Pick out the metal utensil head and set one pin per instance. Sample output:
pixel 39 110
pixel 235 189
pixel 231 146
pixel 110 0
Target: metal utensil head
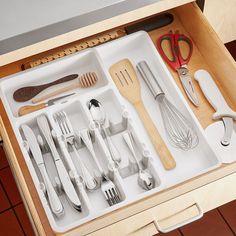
pixel 97 111
pixel 52 101
pixel 146 180
pixel 188 86
pixel 229 127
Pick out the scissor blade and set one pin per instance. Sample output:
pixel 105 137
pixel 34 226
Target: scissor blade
pixel 187 83
pixel 229 126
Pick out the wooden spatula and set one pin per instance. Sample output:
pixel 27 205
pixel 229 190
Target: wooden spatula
pixel 125 78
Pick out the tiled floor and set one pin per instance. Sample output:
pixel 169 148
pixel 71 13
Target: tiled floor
pixel 13 217
pixel 14 220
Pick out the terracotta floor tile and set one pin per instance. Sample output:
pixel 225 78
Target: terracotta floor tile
pixel 9 185
pixel 232 48
pixel 3 159
pixel 228 211
pixel 212 224
pixel 172 233
pixel 4 203
pixel 24 220
pixel 9 225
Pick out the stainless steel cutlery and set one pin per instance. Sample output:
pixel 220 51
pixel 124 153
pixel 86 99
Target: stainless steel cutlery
pixel 68 133
pixel 145 179
pixel 99 116
pixel 54 201
pixel 62 172
pixel 108 188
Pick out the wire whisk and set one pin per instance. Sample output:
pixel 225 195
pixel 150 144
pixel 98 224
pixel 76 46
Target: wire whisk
pixel 179 129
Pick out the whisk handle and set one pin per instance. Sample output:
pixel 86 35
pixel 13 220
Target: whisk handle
pixel 159 144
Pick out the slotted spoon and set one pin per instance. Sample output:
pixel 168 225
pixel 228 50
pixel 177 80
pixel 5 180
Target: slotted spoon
pixel 125 78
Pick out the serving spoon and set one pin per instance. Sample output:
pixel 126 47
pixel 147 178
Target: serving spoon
pixel 99 116
pixel 145 180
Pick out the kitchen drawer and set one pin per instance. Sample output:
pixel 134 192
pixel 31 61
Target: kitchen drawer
pixel 175 212
pixel 178 203
pixel 92 29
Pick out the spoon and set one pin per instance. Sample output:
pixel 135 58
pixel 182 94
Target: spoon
pixel 145 180
pixel 99 116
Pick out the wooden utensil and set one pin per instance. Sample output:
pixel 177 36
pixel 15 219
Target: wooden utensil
pixel 125 78
pixel 26 93
pixel 84 81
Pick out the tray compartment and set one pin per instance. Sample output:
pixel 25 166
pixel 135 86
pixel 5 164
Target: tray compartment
pixel 138 47
pixel 71 215
pixel 75 64
pixel 119 122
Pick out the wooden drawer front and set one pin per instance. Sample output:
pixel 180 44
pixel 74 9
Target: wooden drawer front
pixel 209 53
pixel 92 29
pixel 175 212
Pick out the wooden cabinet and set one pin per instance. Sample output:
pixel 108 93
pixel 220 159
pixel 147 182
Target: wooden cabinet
pixel 172 207
pixel 221 15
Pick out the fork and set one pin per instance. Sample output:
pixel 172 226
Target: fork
pixel 108 188
pixel 65 126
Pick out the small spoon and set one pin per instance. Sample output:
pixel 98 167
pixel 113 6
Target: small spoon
pixel 99 116
pixel 145 180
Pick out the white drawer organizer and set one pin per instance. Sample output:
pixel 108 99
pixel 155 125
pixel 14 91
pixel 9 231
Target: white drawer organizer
pixel 122 116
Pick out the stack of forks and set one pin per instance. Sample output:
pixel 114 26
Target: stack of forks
pixel 108 188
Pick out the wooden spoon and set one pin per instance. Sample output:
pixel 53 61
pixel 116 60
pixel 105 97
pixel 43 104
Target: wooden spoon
pixel 84 81
pixel 125 78
pixel 26 93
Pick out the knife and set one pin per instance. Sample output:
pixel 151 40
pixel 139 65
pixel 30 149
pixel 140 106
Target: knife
pixel 53 198
pixel 61 170
pixel 216 99
pixel 28 109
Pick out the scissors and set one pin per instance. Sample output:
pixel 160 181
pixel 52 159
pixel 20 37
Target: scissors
pixel 178 62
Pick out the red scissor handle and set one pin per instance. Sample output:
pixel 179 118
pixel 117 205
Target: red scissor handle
pixel 174 40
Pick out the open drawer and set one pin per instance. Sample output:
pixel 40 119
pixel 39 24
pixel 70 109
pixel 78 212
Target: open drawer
pixel 209 53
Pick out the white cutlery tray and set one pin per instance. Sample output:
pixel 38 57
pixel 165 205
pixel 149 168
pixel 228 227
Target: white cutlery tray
pixel 122 116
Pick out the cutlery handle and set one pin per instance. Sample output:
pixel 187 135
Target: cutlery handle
pixel 88 143
pixel 28 109
pixel 113 150
pixel 104 147
pixel 88 178
pixel 67 158
pixel 56 92
pixel 159 144
pixel 61 170
pixel 128 139
pixel 53 198
pixel 213 95
pixel 67 184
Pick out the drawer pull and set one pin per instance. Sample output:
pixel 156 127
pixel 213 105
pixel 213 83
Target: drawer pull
pixel 180 224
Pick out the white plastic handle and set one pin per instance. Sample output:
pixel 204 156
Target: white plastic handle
pixel 213 95
pixel 185 222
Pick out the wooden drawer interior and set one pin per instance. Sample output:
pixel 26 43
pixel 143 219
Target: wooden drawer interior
pixel 210 54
